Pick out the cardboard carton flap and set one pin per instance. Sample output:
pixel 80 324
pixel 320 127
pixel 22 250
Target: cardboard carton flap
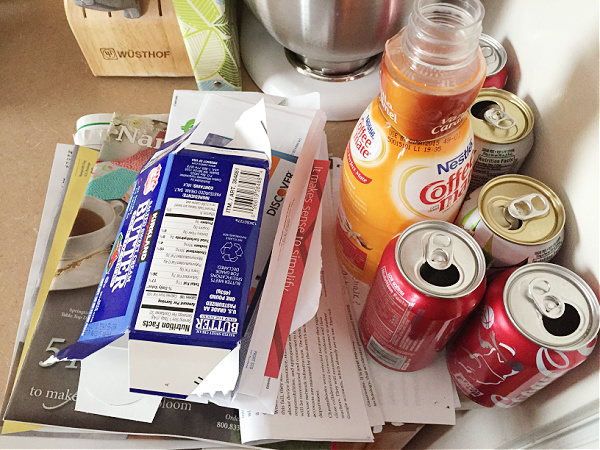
pixel 79 350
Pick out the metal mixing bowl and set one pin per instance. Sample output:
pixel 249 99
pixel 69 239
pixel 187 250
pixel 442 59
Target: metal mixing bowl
pixel 332 37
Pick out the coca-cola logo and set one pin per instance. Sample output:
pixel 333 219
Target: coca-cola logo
pixel 487 317
pixel 551 364
pixel 588 349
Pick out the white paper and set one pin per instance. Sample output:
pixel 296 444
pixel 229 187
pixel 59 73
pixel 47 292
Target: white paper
pixel 251 131
pixel 252 376
pixel 104 387
pixel 424 396
pixel 368 383
pixel 320 395
pixel 185 106
pixel 370 398
pixel 55 194
pixel 217 385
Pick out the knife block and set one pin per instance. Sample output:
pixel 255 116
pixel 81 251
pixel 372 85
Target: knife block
pixel 151 45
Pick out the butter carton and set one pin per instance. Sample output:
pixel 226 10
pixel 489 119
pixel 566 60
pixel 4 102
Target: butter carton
pixel 177 282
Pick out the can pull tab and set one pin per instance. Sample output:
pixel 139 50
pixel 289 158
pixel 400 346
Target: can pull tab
pixel 528 207
pixel 499 119
pixel 540 292
pixel 439 251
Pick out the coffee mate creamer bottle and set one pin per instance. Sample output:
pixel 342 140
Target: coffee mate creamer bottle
pixel 410 156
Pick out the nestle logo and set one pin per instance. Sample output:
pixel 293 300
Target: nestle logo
pixel 109 53
pixel 457 161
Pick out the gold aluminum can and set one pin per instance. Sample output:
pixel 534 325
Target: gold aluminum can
pixel 515 219
pixel 503 135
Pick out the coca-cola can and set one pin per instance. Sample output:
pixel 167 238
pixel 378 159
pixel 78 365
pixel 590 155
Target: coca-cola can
pixel 515 219
pixel 535 324
pixel 496 58
pixel 430 278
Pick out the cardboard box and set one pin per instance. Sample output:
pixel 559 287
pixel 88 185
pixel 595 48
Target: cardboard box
pixel 176 285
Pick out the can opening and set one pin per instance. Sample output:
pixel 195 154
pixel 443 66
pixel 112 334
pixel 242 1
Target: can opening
pixel 441 278
pixel 565 324
pixel 513 222
pixel 478 109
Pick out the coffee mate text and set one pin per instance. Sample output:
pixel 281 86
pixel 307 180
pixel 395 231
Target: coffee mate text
pixel 446 192
pixel 362 139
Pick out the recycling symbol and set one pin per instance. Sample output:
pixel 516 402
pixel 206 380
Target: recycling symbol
pixel 231 251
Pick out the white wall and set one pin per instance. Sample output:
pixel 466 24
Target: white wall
pixel 553 65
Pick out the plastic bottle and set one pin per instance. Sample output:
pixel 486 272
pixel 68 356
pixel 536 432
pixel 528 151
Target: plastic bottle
pixel 433 69
pixel 410 156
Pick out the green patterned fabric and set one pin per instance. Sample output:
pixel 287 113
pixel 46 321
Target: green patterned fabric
pixel 209 34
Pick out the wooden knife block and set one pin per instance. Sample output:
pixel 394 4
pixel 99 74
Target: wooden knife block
pixel 113 45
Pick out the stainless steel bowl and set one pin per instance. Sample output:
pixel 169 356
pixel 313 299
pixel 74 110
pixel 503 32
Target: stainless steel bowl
pixel 332 37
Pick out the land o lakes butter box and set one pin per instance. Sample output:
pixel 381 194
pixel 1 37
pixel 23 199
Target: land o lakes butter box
pixel 177 283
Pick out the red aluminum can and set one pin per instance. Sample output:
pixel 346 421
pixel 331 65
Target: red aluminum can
pixel 495 58
pixel 430 278
pixel 535 324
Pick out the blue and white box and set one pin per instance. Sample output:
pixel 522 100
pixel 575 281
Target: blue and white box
pixel 177 283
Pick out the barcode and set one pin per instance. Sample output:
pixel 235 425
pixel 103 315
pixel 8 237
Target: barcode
pixel 244 192
pixel 383 355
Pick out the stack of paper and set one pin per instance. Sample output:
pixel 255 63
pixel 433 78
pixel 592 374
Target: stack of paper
pixel 299 373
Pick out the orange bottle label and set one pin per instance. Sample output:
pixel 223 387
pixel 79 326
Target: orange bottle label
pixel 421 113
pixel 389 183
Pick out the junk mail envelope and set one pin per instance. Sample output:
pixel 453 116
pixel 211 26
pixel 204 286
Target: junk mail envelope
pixel 178 278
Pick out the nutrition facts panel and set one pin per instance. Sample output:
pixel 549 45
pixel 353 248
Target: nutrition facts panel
pixel 171 292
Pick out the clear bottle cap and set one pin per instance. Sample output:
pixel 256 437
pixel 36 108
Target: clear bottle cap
pixel 444 34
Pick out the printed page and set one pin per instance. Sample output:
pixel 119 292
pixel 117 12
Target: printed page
pixel 48 395
pixel 252 376
pixel 404 397
pixel 80 174
pixel 319 397
pixel 295 280
pixel 372 403
pixel 92 129
pixel 62 166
